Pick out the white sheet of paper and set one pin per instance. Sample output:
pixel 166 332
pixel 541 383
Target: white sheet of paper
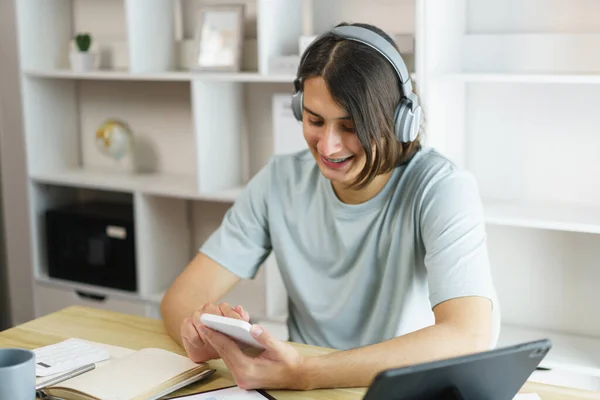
pixel 239 394
pixel 234 393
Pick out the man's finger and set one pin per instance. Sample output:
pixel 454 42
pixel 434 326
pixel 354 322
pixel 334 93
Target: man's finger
pixel 190 334
pixel 235 360
pixel 210 308
pixel 228 311
pixel 189 348
pixel 265 338
pixel 238 309
pixel 243 313
pixel 225 346
pixel 195 323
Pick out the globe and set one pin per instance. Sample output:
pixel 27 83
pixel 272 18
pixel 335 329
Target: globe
pixel 114 139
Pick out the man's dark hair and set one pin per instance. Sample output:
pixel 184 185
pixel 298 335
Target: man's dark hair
pixel 365 84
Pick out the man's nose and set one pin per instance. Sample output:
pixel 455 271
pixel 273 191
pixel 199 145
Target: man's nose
pixel 331 142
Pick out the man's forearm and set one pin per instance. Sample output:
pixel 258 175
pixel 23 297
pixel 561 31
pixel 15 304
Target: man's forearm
pixel 203 281
pixel 174 310
pixel 180 302
pixel 358 367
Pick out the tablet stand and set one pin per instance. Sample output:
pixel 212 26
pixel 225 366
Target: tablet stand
pixel 449 394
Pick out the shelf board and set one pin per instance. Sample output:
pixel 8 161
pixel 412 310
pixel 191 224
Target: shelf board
pixel 155 298
pixel 101 290
pixel 566 379
pixel 174 76
pixel 159 76
pixel 528 78
pixel 570 354
pixel 561 217
pixel 168 185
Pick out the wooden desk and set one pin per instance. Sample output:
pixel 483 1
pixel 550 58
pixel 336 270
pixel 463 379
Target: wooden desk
pixel 137 332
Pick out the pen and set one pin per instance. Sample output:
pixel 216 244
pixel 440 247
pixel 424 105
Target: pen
pixel 67 375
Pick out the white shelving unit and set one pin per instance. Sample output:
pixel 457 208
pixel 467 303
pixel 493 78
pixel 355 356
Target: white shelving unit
pixel 199 136
pixel 509 93
pixel 510 90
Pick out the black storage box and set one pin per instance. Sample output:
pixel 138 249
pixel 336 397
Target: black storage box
pixel 92 243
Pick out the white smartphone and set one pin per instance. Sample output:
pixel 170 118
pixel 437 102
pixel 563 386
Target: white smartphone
pixel 235 328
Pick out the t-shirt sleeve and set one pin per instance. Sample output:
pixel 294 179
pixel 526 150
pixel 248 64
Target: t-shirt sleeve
pixel 454 236
pixel 242 242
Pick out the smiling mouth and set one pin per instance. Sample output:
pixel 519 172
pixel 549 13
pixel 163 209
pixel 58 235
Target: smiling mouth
pixel 336 163
pixel 337 160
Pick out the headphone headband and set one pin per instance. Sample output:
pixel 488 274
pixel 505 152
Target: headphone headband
pixel 408 113
pixel 382 46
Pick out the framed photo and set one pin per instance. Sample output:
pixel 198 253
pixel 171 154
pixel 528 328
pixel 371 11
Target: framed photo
pixel 219 38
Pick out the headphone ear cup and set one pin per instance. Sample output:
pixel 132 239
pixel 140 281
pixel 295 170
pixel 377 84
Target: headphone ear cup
pixel 415 122
pixel 407 122
pixel 297 103
pixel 400 121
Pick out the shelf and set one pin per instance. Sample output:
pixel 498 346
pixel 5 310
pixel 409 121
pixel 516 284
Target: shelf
pixel 528 78
pixel 559 217
pixel 566 379
pixel 168 185
pixel 155 298
pixel 569 354
pixel 159 76
pixel 174 76
pixel 125 295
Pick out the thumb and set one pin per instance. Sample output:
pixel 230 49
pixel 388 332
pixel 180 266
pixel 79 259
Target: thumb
pixel 263 337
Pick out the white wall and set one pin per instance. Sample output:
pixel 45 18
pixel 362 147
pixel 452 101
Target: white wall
pixel 13 172
pixel 5 317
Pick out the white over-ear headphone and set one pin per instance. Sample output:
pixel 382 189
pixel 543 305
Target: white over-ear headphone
pixel 408 114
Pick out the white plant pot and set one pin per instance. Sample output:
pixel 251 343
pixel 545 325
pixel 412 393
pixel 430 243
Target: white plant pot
pixel 82 61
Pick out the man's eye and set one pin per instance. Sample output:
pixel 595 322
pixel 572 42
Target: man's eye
pixel 315 123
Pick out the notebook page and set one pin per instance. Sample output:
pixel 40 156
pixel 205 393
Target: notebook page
pixel 114 351
pixel 131 375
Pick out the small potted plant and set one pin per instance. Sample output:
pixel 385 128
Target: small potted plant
pixel 83 59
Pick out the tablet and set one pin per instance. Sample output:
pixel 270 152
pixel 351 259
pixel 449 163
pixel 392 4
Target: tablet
pixel 492 375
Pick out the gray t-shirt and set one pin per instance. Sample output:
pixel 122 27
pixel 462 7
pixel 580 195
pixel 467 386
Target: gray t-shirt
pixel 360 274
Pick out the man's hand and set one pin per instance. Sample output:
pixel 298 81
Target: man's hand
pixel 279 366
pixel 197 347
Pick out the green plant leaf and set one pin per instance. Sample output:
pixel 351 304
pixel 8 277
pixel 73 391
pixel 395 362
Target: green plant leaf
pixel 83 41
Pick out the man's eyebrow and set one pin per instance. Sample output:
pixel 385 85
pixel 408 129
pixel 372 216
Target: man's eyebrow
pixel 317 115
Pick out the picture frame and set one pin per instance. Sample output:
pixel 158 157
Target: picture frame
pixel 219 38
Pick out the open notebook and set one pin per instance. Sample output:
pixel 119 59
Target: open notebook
pixel 131 375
